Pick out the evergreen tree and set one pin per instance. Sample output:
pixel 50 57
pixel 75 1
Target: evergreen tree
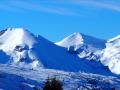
pixel 56 84
pixel 47 85
pixel 53 84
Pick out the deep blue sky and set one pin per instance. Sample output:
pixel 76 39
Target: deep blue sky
pixel 55 19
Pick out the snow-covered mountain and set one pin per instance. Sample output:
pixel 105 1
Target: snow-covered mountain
pixel 90 48
pixel 111 56
pixel 85 46
pixel 77 39
pixel 74 40
pixel 79 61
pixel 17 43
pixel 30 51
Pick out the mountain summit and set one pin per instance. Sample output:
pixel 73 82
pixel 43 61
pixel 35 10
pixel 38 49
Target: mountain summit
pixel 74 40
pixel 77 39
pixel 17 43
pixel 83 45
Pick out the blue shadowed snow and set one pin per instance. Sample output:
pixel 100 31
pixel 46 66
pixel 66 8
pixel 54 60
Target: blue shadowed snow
pixel 3 57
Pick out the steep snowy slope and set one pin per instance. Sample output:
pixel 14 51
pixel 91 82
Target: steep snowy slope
pixel 4 57
pixel 27 50
pixel 85 46
pixel 111 56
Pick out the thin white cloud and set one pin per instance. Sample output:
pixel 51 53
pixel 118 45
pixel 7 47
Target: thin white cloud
pixel 104 4
pixel 40 7
pixel 5 7
pixel 57 8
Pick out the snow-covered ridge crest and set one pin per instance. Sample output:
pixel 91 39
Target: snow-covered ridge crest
pixel 74 40
pixel 85 46
pixel 78 39
pixel 14 36
pixel 114 39
pixel 27 50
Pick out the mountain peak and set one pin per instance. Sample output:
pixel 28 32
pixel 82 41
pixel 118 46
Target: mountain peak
pixel 76 34
pixel 78 39
pixel 74 40
pixel 17 43
pixel 27 50
pixel 21 31
pixel 16 36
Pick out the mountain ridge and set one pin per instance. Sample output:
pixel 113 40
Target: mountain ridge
pixel 27 50
pixel 30 51
pixel 28 60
